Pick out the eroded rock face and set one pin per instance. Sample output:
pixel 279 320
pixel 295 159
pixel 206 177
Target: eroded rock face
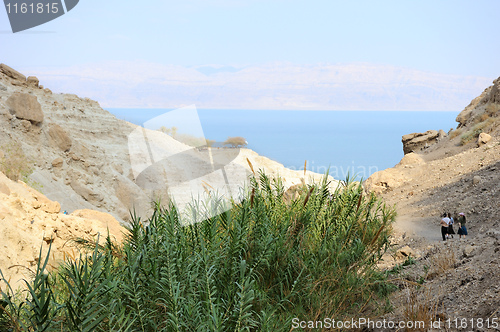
pixel 12 73
pixel 494 95
pixel 419 141
pixel 490 95
pixel 59 137
pixel 25 106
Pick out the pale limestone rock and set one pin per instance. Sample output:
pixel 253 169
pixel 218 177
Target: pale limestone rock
pixel 59 137
pixel 25 106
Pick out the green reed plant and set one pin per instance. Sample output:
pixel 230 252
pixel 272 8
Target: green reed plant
pixel 252 267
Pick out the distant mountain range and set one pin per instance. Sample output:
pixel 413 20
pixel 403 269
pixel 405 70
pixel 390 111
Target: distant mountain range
pixel 357 86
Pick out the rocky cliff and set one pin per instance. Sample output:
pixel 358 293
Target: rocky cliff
pixel 81 154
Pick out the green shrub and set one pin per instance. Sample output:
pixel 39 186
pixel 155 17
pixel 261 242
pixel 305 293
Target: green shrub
pixel 253 267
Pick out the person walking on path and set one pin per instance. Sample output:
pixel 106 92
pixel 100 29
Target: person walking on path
pixel 450 226
pixel 445 222
pixel 461 223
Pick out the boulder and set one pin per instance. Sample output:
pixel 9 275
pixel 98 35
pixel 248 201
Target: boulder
pixel 411 159
pixel 33 81
pixel 418 141
pixel 25 106
pixel 59 137
pixel 386 180
pixel 58 162
pixel 4 189
pixel 442 133
pixel 483 139
pixel 476 179
pixel 14 74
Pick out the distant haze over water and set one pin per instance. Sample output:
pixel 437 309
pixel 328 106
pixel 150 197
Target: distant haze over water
pixel 358 142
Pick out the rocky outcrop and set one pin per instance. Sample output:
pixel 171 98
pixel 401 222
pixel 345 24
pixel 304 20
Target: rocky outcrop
pixel 14 74
pixel 479 105
pixel 493 95
pixel 59 137
pixel 25 106
pixel 418 141
pixel 33 81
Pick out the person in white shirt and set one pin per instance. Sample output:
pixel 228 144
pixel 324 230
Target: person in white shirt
pixel 445 222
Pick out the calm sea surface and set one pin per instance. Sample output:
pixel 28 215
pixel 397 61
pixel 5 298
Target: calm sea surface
pixel 358 142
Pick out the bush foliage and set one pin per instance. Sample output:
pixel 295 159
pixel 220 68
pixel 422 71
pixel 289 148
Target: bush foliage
pixel 253 267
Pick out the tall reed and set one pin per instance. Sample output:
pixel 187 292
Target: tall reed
pixel 252 267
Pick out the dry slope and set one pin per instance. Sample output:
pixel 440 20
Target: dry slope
pixel 454 172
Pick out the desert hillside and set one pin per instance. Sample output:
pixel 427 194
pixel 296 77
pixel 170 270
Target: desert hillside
pixel 454 172
pixel 81 154
pixel 77 156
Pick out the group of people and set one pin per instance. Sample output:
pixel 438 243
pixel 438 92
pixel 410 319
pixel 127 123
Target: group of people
pixel 447 223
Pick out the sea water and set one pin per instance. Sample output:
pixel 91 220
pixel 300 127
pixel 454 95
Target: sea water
pixel 357 143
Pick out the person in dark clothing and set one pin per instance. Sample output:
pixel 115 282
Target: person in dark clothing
pixel 462 231
pixel 450 226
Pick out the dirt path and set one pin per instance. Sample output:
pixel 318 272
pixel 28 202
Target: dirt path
pixel 423 227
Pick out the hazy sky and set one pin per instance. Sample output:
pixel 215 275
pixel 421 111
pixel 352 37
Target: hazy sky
pixel 445 37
